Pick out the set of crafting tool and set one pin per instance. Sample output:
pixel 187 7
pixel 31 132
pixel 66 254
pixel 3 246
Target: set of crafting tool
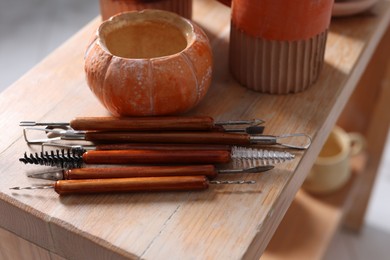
pixel 151 153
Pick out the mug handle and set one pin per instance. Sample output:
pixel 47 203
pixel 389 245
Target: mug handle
pixel 357 143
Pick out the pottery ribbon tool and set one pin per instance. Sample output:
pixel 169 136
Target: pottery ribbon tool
pixel 286 140
pixel 152 124
pixel 165 123
pixel 210 171
pixel 141 184
pixel 75 159
pixel 135 146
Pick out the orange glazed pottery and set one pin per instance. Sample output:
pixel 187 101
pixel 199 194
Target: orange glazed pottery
pixel 148 63
pixel 109 8
pixel 277 46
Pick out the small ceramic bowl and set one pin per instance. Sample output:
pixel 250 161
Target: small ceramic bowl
pixel 148 63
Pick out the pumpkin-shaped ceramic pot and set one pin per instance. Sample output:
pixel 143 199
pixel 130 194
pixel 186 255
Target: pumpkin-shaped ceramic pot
pixel 148 63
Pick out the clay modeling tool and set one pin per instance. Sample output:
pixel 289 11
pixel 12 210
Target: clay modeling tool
pixel 287 140
pixel 297 141
pixel 210 171
pixel 144 123
pixel 134 146
pixel 152 124
pixel 141 184
pixel 75 159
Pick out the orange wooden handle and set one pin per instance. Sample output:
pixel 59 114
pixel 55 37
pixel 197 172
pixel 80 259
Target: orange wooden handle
pixel 141 146
pixel 171 183
pixel 156 157
pixel 170 137
pixel 141 171
pixel 142 123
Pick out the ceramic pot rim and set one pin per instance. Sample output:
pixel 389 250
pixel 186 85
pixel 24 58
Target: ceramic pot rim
pixel 181 23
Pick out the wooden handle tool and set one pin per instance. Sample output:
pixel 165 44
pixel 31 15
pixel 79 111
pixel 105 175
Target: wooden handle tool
pixel 165 123
pixel 296 141
pixel 210 171
pixel 76 158
pixel 170 137
pixel 142 123
pixel 155 157
pixel 143 184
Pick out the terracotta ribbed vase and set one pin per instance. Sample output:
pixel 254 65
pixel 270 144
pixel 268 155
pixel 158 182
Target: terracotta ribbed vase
pixel 277 46
pixel 109 8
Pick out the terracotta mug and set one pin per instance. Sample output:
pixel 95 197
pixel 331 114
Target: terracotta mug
pixel 277 46
pixel 109 8
pixel 331 170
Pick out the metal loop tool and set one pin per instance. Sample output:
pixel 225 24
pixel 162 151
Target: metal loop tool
pixel 296 141
pixel 141 124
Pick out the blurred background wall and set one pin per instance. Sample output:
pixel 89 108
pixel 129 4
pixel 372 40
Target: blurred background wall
pixel 31 29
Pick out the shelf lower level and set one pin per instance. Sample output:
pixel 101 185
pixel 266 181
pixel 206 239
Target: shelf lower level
pixel 312 220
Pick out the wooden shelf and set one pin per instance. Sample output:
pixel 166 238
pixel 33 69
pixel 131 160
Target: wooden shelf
pixel 226 221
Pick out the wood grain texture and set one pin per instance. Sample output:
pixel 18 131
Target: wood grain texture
pixel 220 223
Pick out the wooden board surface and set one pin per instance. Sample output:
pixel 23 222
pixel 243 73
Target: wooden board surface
pixel 223 222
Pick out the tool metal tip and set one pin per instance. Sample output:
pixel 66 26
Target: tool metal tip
pixel 254 130
pixel 15 188
pixel 258 122
pixel 232 182
pixel 48 175
pixel 35 187
pixel 262 168
pixel 27 123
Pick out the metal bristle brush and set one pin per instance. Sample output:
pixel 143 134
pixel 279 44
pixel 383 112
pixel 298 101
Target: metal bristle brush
pixel 249 157
pixel 75 158
pixel 55 158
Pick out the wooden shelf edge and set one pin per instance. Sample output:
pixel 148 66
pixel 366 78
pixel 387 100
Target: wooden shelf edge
pixel 11 244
